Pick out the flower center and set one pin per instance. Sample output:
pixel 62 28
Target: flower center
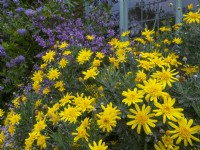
pixel 165 76
pixel 166 109
pixel 142 118
pixel 184 132
pixel 194 16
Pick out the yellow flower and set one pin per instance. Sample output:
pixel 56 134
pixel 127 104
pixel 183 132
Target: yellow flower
pixel 166 41
pixel 1 113
pixel 100 55
pixel 2 138
pixel 46 91
pixel 132 97
pixel 147 32
pixel 168 111
pixel 152 89
pixel 140 76
pixel 59 84
pixel 83 56
pixel 161 146
pixel 86 123
pixel 37 76
pixel 53 74
pixel 14 119
pixel 63 62
pixel 100 146
pixel 42 66
pixel 48 57
pixel 190 70
pixel 165 29
pixel 63 45
pixel 177 40
pixel 125 33
pixel 41 141
pixel 70 114
pixel 141 118
pixel 190 6
pixel 37 103
pixel 81 134
pixel 108 118
pixel 66 99
pixel 90 37
pixel 68 52
pixel 166 77
pixel 39 126
pixel 147 65
pixel 86 104
pixel 140 40
pixel 36 86
pixel 96 63
pixel 192 17
pixel 184 131
pixel 29 141
pixel 90 73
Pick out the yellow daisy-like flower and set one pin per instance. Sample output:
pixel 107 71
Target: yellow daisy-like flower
pixel 49 56
pixel 1 112
pixel 140 40
pixel 66 99
pixel 108 118
pixel 184 131
pixel 168 111
pixel 100 146
pixel 67 52
pixel 147 32
pixel 90 73
pixel 63 62
pixel 141 118
pixel 165 29
pixel 166 77
pixel 125 33
pixel 190 70
pixel 192 17
pixel 152 89
pixel 46 91
pixel 132 97
pixel 53 74
pixel 161 146
pixel 37 76
pixel 63 45
pixel 83 56
pixel 90 37
pixel 41 141
pixel 100 55
pixel 140 76
pixel 70 114
pixel 190 6
pixel 80 134
pixel 2 138
pixel 86 104
pixel 177 40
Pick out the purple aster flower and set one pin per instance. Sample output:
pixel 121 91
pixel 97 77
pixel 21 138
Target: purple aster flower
pixel 16 1
pixel 30 12
pixel 39 10
pixel 21 31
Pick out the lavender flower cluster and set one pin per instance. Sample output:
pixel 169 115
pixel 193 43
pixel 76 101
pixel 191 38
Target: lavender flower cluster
pixel 101 26
pixel 16 61
pixel 2 52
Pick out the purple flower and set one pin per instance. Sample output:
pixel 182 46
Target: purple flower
pixel 19 9
pixel 1 88
pixel 9 65
pixel 2 51
pixel 19 59
pixel 21 31
pixel 30 12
